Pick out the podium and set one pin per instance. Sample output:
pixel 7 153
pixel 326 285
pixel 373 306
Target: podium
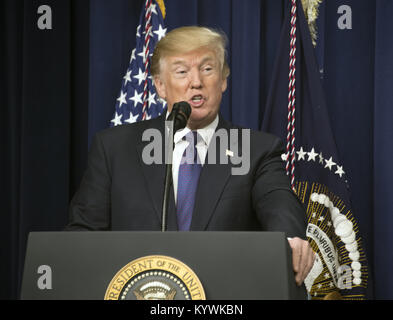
pixel 228 265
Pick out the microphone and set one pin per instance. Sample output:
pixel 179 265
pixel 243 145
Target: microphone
pixel 181 111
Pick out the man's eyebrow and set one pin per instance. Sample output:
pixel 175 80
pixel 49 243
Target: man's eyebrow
pixel 183 62
pixel 174 64
pixel 178 62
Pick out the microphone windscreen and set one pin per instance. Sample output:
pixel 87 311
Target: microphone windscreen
pixel 182 111
pixel 183 107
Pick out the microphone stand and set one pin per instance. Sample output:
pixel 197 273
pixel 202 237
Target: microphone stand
pixel 168 167
pixel 177 120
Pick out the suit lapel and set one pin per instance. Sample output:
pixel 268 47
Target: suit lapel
pixel 212 181
pixel 154 177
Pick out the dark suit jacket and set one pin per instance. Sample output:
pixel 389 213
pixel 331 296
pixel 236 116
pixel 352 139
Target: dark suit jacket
pixel 120 192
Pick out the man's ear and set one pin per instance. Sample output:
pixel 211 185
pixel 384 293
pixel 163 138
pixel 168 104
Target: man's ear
pixel 224 85
pixel 160 87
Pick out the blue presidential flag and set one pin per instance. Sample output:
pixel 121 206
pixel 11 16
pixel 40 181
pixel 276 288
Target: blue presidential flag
pixel 138 99
pixel 296 111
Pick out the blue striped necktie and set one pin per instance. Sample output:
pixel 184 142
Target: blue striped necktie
pixel 189 171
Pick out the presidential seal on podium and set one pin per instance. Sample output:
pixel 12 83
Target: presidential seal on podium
pixel 155 278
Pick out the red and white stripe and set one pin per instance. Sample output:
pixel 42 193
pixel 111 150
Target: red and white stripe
pixel 148 30
pixel 290 160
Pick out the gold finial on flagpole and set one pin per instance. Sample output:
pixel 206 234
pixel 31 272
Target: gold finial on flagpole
pixel 162 7
pixel 311 11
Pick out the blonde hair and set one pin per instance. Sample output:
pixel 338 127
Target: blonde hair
pixel 186 39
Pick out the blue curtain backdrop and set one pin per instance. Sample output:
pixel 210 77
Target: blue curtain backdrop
pixel 59 87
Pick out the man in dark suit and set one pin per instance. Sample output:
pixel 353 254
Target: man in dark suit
pixel 122 191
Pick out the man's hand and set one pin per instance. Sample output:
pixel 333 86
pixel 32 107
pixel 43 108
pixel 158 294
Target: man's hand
pixel 303 258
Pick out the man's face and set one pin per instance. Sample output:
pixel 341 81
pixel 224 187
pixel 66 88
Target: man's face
pixel 195 77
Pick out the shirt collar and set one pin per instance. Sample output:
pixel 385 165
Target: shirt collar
pixel 205 133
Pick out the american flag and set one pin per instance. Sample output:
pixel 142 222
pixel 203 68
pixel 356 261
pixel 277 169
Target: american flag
pixel 138 99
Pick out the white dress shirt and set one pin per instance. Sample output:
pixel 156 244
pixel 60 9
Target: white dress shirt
pixel 205 133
